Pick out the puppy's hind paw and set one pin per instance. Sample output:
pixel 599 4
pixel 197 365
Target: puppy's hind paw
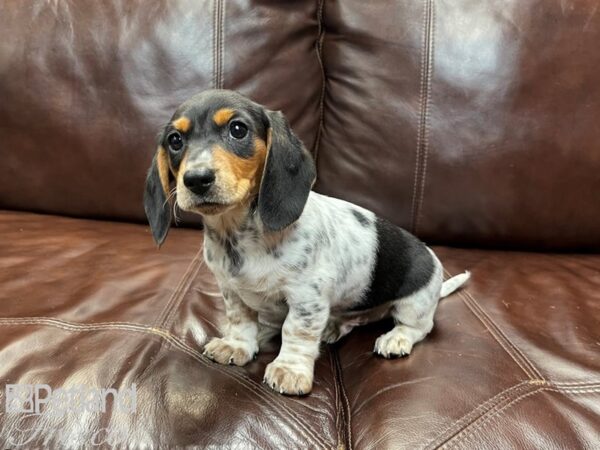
pixel 392 345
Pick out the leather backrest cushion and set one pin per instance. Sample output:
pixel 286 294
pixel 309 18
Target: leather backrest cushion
pixel 467 121
pixel 85 87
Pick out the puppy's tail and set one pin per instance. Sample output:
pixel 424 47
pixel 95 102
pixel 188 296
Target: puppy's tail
pixel 452 284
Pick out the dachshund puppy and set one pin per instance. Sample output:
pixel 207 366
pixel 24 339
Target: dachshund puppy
pixel 286 258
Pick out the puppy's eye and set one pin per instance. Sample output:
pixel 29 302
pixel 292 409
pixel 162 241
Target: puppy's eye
pixel 238 130
pixel 175 141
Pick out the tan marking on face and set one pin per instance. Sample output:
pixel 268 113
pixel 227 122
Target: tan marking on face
pixel 183 124
pixel 222 116
pixel 182 166
pixel 269 138
pixel 267 150
pixel 162 162
pixel 238 178
pixel 183 195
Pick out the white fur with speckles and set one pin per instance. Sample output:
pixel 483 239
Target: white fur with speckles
pixel 306 285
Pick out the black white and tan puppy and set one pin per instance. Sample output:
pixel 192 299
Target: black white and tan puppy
pixel 284 257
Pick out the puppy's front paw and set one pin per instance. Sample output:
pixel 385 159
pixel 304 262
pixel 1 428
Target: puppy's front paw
pixel 287 379
pixel 229 351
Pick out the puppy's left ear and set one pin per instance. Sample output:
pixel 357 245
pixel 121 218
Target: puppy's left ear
pixel 156 205
pixel 288 175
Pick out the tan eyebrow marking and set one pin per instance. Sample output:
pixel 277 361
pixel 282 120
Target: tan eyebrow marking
pixel 222 116
pixel 182 124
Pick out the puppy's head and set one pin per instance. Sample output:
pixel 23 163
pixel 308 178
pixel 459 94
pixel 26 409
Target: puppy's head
pixel 220 151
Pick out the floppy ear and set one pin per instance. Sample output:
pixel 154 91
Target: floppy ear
pixel 288 175
pixel 158 209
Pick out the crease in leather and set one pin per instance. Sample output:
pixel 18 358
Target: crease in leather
pixel 319 51
pixel 339 420
pixel 218 21
pixel 523 362
pixel 346 411
pixel 267 397
pixel 182 287
pixel 424 100
pixel 536 374
pixel 170 317
pixel 499 409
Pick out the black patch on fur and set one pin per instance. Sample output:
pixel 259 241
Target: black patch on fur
pixel 303 312
pixel 156 206
pixel 403 266
pixel 209 256
pixel 316 287
pixel 275 252
pixel 322 238
pixel 362 219
pixel 287 178
pixel 210 233
pixel 235 258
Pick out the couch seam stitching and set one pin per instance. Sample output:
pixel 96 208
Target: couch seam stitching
pixel 425 152
pixel 490 327
pixel 455 427
pixel 418 149
pixel 534 369
pixel 464 438
pixel 214 43
pixel 222 44
pixel 319 51
pixel 423 92
pixel 182 346
pixel 338 404
pixel 347 410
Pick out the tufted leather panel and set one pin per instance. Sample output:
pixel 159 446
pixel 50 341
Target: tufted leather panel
pixel 86 86
pixel 469 122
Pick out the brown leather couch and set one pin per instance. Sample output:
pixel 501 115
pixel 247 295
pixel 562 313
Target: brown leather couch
pixel 473 123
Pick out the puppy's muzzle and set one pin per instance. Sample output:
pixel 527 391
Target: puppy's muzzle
pixel 199 181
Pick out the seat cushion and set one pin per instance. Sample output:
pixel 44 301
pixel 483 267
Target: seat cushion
pixel 95 303
pixel 512 361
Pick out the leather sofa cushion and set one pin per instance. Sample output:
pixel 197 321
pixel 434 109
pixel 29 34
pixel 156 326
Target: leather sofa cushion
pixel 85 94
pixel 513 358
pixel 468 122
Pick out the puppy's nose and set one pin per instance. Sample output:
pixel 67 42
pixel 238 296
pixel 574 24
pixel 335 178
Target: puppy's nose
pixel 199 181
